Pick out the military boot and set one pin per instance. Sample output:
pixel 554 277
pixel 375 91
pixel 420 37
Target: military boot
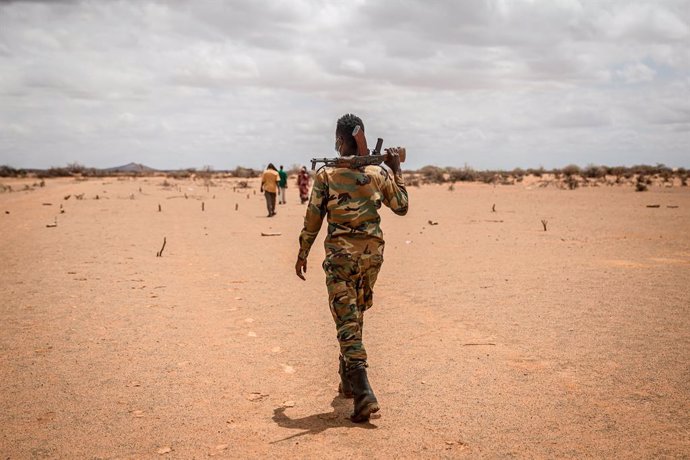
pixel 365 401
pixel 344 388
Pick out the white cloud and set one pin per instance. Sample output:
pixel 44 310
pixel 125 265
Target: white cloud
pixel 636 73
pixel 497 83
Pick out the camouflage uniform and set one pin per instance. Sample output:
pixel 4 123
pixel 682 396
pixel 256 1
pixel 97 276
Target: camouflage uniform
pixel 354 244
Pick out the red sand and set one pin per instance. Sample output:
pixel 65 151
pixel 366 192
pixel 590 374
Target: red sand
pixel 489 337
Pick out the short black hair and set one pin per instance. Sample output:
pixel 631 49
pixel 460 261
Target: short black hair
pixel 344 127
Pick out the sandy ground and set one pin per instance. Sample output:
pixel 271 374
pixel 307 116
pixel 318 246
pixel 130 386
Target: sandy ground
pixel 489 337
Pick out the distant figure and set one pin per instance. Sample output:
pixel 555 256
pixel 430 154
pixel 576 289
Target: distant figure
pixel 282 184
pixel 269 186
pixel 303 180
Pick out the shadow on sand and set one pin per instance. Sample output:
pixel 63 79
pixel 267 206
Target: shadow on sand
pixel 317 423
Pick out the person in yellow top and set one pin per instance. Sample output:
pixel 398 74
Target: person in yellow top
pixel 269 186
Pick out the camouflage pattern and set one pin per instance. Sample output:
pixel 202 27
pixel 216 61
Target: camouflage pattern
pixel 351 199
pixel 350 281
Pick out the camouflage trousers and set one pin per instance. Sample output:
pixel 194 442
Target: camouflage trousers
pixel 350 281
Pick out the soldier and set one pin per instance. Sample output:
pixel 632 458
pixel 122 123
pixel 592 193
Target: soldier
pixel 351 198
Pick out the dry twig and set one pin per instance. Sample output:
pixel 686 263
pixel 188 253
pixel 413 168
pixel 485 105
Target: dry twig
pixel 160 253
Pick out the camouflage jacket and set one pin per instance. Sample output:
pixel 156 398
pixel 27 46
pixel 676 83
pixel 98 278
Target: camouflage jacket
pixel 351 198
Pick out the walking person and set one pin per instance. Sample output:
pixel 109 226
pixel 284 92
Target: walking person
pixel 303 181
pixel 350 200
pixel 269 187
pixel 282 185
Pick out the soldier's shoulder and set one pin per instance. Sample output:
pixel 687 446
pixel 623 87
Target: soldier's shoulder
pixel 377 171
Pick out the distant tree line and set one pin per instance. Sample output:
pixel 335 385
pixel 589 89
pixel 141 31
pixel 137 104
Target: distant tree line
pixel 571 175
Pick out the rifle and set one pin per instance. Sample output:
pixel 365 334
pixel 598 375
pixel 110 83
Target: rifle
pixel 357 161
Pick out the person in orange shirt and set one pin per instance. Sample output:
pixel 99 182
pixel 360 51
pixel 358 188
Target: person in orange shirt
pixel 269 187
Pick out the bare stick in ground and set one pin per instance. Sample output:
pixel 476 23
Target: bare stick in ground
pixel 543 222
pixel 493 208
pixel 160 253
pixel 237 206
pixel 202 205
pixel 159 207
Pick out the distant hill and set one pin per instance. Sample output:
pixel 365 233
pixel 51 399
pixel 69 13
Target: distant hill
pixel 130 167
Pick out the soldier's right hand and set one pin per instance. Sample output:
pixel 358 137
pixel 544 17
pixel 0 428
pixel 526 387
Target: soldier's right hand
pixel 393 158
pixel 301 267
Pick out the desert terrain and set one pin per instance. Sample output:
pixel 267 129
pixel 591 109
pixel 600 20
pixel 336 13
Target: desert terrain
pixel 490 337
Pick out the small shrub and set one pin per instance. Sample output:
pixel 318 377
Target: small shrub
pixel 594 172
pixel 571 182
pixel 572 170
pixel 536 172
pixel 245 173
pixel 465 174
pixel 432 174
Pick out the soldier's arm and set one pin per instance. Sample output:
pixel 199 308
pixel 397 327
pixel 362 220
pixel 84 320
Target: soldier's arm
pixel 394 192
pixel 316 211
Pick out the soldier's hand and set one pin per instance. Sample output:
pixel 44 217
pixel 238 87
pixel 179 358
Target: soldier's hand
pixel 393 158
pixel 301 267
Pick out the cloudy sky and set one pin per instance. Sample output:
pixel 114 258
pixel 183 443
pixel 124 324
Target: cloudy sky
pixel 487 83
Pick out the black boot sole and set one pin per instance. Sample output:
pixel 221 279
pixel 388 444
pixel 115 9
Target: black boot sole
pixel 363 415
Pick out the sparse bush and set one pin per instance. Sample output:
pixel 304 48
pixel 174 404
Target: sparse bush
pixel 57 172
pixel 8 171
pixel 465 174
pixel 245 173
pixel 488 177
pixel 572 170
pixel 432 174
pixel 642 182
pixel 536 172
pixel 594 172
pixel 571 182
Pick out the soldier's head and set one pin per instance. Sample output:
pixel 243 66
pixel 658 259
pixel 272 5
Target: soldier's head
pixel 345 143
